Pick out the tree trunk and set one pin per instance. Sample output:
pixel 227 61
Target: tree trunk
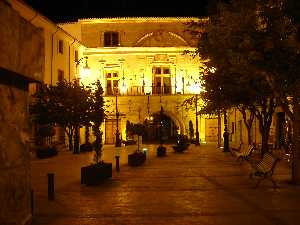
pixel 264 141
pixel 70 138
pixel 248 122
pixel 87 134
pixel 296 143
pixel 249 135
pixel 76 140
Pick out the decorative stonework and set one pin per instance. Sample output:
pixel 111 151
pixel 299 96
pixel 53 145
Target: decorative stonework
pixel 161 38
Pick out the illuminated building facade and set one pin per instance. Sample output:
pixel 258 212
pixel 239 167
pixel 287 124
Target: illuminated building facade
pixel 141 60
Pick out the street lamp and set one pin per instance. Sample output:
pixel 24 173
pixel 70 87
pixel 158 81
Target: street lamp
pixel 118 141
pixel 195 88
pixel 86 68
pixel 197 130
pixel 225 134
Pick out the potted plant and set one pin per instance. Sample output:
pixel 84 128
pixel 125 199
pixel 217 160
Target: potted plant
pixel 138 157
pixel 161 150
pixel 182 144
pixel 98 170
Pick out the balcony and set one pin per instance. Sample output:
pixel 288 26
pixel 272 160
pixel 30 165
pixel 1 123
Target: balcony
pixel 144 90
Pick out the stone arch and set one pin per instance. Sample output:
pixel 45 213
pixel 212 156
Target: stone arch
pixel 176 120
pixel 161 38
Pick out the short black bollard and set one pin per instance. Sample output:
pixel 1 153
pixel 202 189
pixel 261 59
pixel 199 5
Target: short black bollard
pixel 50 186
pixel 117 163
pixel 32 201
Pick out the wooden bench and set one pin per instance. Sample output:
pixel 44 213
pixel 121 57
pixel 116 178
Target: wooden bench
pixel 244 153
pixel 264 168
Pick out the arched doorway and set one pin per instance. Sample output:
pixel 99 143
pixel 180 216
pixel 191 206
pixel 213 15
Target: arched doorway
pixel 160 125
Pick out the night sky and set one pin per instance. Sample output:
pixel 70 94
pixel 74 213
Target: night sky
pixel 66 10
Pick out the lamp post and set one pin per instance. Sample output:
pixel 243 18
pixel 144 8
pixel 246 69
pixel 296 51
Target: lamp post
pixel 225 134
pixel 118 141
pixel 161 126
pixel 197 131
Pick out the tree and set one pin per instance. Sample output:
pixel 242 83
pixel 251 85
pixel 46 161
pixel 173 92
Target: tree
pixel 244 40
pixel 191 130
pixel 96 116
pixel 59 104
pixel 292 9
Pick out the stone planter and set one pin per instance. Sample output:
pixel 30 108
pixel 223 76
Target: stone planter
pixel 46 152
pixel 179 148
pixel 87 147
pixel 161 151
pixel 96 173
pixel 136 158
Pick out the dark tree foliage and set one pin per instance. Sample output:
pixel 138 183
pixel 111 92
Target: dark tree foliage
pixel 249 58
pixel 96 116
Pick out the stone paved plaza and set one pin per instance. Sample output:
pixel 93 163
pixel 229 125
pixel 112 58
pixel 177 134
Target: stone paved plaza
pixel 201 186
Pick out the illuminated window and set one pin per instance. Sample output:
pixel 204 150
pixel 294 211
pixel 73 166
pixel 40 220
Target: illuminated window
pixel 161 80
pixel 112 82
pixel 111 39
pixel 60 75
pixel 61 46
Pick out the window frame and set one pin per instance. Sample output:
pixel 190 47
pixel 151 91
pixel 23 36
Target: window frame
pixel 111 39
pixel 60 47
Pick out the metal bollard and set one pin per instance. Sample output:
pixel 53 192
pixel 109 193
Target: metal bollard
pixel 50 186
pixel 117 163
pixel 32 201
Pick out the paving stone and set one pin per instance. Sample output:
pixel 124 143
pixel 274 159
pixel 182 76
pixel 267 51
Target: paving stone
pixel 201 186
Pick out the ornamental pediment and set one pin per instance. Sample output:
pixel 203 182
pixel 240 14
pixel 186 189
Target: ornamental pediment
pixel 161 38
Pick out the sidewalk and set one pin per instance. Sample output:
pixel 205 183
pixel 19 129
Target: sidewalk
pixel 202 186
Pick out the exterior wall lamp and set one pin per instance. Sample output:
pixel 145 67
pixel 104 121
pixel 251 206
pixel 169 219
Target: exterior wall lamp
pixel 86 69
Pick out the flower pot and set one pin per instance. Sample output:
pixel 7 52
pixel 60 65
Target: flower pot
pixel 161 151
pixel 136 158
pixel 96 173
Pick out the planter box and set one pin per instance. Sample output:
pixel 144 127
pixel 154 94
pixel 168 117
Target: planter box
pixel 46 152
pixel 87 147
pixel 136 158
pixel 179 148
pixel 161 151
pixel 95 174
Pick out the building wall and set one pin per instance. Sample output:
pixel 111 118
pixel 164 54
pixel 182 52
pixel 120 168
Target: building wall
pixel 132 30
pixel 54 60
pixel 145 43
pixel 21 62
pixel 238 133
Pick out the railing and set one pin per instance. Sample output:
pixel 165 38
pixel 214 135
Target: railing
pixel 144 90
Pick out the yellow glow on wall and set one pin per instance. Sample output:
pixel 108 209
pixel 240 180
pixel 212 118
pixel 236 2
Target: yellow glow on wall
pixel 123 88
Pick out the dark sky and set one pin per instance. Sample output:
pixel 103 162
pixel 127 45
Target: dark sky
pixel 67 10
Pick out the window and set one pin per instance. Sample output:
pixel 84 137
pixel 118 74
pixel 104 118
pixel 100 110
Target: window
pixel 162 80
pixel 61 46
pixel 60 75
pixel 111 39
pixel 76 55
pixel 112 82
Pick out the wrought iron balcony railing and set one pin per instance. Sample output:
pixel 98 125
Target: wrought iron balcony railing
pixel 143 90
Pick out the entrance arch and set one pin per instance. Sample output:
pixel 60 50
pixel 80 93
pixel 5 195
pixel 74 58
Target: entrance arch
pixel 170 128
